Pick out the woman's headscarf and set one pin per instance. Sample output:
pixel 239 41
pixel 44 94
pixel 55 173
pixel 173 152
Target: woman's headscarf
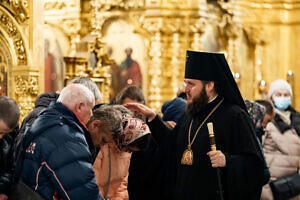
pixel 257 113
pixel 133 129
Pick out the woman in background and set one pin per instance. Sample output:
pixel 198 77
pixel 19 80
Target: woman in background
pixel 281 142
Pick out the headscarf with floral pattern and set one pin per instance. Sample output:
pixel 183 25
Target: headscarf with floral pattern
pixel 133 129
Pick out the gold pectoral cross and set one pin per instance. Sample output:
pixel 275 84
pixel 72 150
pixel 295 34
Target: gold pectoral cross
pixel 187 156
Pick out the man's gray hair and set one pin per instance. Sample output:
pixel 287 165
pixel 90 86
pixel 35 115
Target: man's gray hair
pixel 111 119
pixel 75 93
pixel 89 83
pixel 9 111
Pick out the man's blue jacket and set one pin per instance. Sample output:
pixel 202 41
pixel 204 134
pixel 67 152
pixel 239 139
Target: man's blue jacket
pixel 57 157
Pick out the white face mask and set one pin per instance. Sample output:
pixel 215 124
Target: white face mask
pixel 282 103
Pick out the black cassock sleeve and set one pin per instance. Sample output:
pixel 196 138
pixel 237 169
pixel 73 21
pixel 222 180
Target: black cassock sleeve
pixel 244 161
pixel 161 133
pixel 166 140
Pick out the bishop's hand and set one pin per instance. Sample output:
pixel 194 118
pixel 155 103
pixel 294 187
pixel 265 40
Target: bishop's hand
pixel 170 124
pixel 217 158
pixel 141 109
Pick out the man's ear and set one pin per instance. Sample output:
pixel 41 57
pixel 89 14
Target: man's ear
pixel 210 86
pixel 78 107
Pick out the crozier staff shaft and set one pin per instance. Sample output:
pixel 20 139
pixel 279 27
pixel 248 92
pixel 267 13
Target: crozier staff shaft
pixel 214 148
pixel 211 136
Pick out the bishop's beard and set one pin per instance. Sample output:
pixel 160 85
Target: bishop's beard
pixel 197 104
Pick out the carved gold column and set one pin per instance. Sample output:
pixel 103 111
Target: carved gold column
pixel 103 70
pixel 259 85
pixel 255 36
pixel 175 54
pixel 154 25
pixel 230 30
pixel 197 28
pixel 177 61
pixel 196 20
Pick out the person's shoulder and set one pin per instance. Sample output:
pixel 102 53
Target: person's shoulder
pixel 50 126
pixel 271 127
pixel 294 111
pixel 32 116
pixel 235 110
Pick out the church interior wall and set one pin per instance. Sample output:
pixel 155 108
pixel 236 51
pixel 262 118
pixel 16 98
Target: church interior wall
pixel 260 41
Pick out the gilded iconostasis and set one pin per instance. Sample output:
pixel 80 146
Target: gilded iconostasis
pixel 46 43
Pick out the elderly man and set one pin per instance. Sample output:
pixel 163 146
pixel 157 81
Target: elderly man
pixel 57 160
pixel 9 117
pixel 45 99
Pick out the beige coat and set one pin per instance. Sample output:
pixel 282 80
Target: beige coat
pixel 119 172
pixel 282 152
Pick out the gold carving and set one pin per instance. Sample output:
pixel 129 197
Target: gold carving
pixel 12 31
pixel 230 29
pixel 197 28
pixel 20 51
pixel 65 15
pixel 284 5
pixel 256 37
pixel 173 25
pixel 54 5
pixel 78 65
pixel 155 73
pixel 19 9
pixel 26 90
pixel 107 5
pixel 153 24
pixel 71 26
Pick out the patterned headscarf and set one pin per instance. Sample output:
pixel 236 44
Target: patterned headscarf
pixel 257 113
pixel 133 129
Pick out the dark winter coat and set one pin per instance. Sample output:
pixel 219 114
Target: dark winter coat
pixel 7 164
pixel 42 102
pixel 57 157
